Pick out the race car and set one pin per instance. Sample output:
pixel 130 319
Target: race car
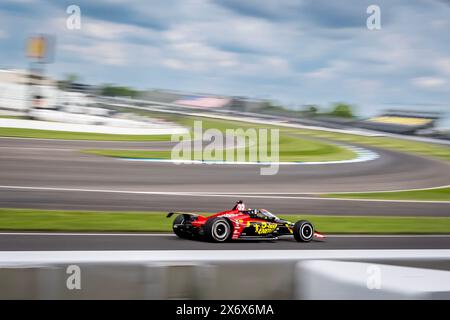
pixel 240 223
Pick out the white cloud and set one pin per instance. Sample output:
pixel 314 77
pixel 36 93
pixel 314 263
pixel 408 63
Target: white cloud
pixel 174 64
pixel 109 53
pixel 430 83
pixel 197 56
pixel 19 1
pixel 335 69
pixel 114 31
pixel 255 47
pixel 104 43
pixel 322 73
pixel 102 30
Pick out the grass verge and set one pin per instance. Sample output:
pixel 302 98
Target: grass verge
pixel 419 148
pixel 426 149
pixel 291 147
pixel 55 220
pixel 438 194
pixel 12 117
pixel 67 135
pixel 432 150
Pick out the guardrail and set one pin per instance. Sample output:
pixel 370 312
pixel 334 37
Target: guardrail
pixel 221 274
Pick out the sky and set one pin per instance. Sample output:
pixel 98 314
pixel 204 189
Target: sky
pixel 294 52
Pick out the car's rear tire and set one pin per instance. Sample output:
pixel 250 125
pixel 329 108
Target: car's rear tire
pixel 218 230
pixel 303 231
pixel 177 221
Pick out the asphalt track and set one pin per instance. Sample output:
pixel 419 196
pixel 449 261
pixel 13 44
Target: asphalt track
pixel 53 174
pixel 129 241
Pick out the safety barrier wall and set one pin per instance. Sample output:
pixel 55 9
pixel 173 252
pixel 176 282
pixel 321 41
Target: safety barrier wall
pixel 343 277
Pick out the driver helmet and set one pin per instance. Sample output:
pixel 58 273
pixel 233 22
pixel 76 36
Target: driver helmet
pixel 239 206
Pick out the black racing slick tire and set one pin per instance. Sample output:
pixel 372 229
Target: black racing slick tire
pixel 303 231
pixel 179 220
pixel 218 230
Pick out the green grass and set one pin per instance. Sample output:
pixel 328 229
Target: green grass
pixel 304 152
pixel 379 225
pixel 65 135
pixel 432 150
pixel 419 148
pixel 291 147
pixel 436 151
pixel 439 194
pixel 52 220
pixel 288 152
pixel 13 117
pixel 55 220
pixel 300 149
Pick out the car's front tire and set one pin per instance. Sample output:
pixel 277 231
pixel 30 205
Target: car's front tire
pixel 218 230
pixel 303 231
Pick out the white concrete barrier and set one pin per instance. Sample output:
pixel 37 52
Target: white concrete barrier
pixel 319 279
pixel 8 258
pixel 226 274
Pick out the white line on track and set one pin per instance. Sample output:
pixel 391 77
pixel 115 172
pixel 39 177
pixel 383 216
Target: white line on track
pixel 218 194
pixel 106 234
pixel 389 191
pixel 323 198
pixel 362 155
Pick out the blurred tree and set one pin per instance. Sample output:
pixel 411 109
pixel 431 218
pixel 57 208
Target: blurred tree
pixel 69 78
pixel 342 110
pixel 72 78
pixel 310 110
pixel 118 91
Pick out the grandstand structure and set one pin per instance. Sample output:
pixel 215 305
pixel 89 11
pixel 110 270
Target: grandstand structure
pixel 204 101
pixel 403 122
pixel 20 90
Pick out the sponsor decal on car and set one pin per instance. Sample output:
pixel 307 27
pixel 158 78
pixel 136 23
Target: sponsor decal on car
pixel 263 227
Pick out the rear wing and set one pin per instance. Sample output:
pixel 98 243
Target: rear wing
pixel 183 213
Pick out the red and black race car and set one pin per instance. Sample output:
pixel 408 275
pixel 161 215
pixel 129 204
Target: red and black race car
pixel 240 223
